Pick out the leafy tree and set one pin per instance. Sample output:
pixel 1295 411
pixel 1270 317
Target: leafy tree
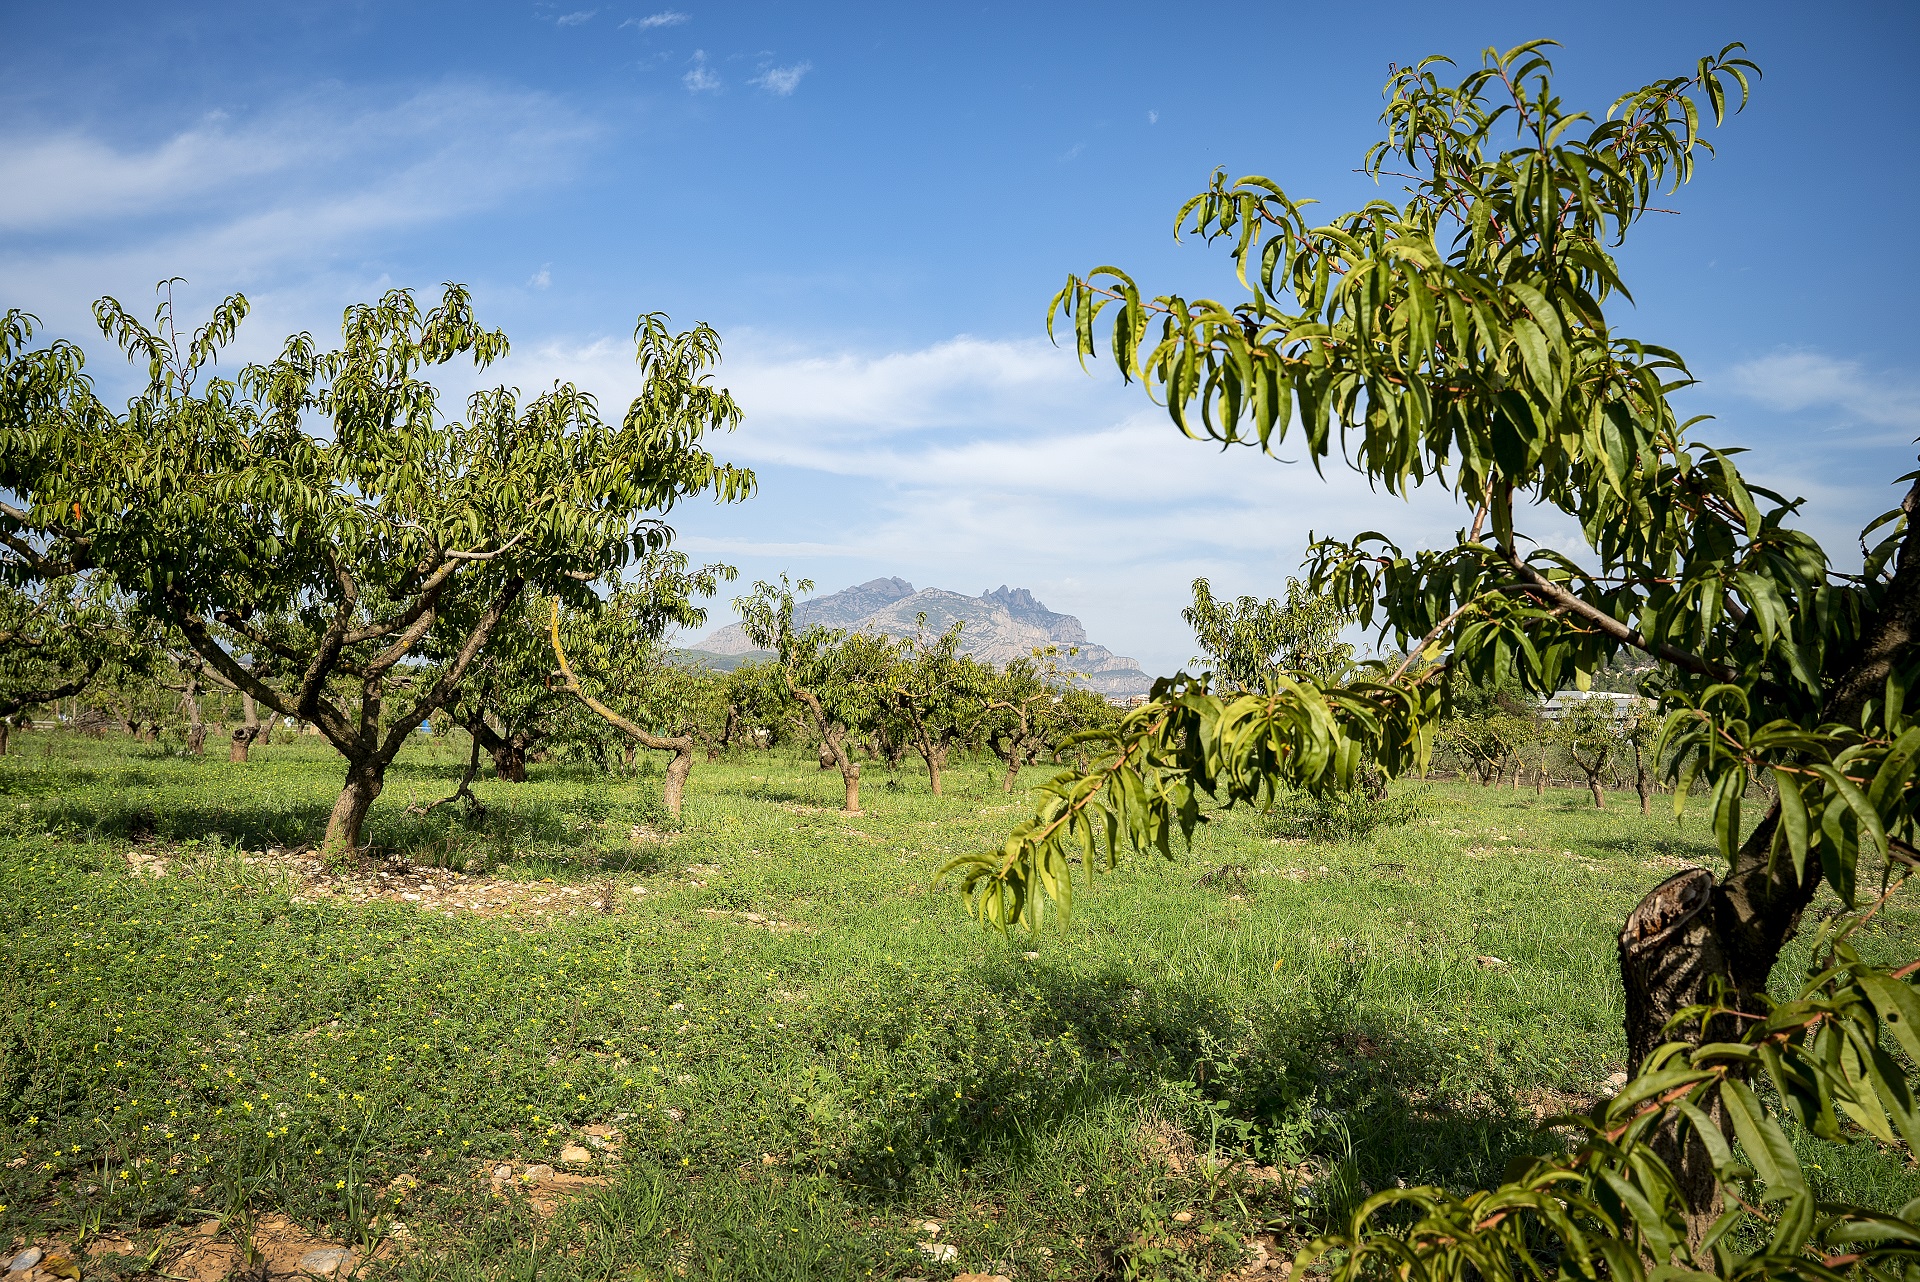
pixel 323 510
pixel 1023 710
pixel 1488 724
pixel 758 707
pixel 836 677
pixel 55 636
pixel 1594 734
pixel 512 705
pixel 1462 338
pixel 936 689
pixel 1249 641
pixel 1640 730
pixel 670 697
pixel 60 620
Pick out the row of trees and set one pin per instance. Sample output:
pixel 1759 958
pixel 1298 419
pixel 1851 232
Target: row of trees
pixel 319 539
pixel 1503 733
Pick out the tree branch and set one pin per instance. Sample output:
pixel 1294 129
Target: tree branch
pixel 443 689
pixel 14 701
pixel 571 684
pixel 1543 587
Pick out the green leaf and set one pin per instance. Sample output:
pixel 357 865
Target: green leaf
pixel 1898 1007
pixel 1765 1144
pixel 1793 819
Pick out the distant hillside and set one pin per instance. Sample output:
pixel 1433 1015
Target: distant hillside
pixel 718 662
pixel 1006 623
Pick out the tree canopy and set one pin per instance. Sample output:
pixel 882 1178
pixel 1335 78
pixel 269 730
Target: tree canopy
pixel 1250 641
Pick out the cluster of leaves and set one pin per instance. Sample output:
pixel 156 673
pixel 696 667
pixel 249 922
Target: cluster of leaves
pixel 1611 1208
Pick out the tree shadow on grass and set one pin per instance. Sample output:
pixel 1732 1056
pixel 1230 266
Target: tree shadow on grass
pixel 570 832
pixel 1326 1081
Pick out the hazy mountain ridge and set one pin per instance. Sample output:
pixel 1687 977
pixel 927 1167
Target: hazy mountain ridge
pixel 1001 625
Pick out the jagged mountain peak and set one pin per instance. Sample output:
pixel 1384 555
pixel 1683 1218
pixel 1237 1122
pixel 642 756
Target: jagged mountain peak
pixel 997 626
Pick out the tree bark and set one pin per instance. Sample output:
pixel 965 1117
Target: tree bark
pixel 1009 752
pixel 1669 955
pixel 364 781
pixel 828 759
pixel 5 734
pixel 835 743
pixel 935 755
pixel 509 761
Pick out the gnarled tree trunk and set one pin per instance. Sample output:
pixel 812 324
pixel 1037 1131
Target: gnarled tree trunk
pixel 1690 933
pixel 244 735
pixel 681 746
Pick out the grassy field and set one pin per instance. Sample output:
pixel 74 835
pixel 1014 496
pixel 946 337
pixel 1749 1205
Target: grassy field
pixel 784 1048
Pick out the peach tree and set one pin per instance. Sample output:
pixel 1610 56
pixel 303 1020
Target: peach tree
pixel 325 515
pixel 1464 337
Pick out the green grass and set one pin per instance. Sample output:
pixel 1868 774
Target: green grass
pixel 794 1101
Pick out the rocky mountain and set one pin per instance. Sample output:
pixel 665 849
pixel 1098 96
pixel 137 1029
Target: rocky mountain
pixel 1006 623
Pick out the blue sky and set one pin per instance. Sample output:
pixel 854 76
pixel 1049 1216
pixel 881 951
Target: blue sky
pixel 873 204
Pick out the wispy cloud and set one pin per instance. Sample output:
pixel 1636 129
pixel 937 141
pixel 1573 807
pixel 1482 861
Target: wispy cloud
pixel 575 18
pixel 540 279
pixel 1153 117
pixel 665 18
pixel 782 80
pixel 1793 380
pixel 700 77
pixel 274 202
pixel 443 147
pixel 973 462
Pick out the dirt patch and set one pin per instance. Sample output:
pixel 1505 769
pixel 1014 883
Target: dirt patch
pixel 761 921
pixel 277 1250
pixel 1267 1257
pixel 544 1187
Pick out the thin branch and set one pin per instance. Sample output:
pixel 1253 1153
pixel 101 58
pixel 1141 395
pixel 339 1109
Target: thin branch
pixel 1542 586
pixel 571 684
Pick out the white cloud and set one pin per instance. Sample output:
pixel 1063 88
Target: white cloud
pixel 782 80
pixel 665 18
pixel 975 462
pixel 575 18
pixel 441 148
pixel 1792 380
pixel 1153 117
pixel 273 203
pixel 540 279
pixel 699 78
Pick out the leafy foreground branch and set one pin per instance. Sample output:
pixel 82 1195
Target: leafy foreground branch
pixel 1462 340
